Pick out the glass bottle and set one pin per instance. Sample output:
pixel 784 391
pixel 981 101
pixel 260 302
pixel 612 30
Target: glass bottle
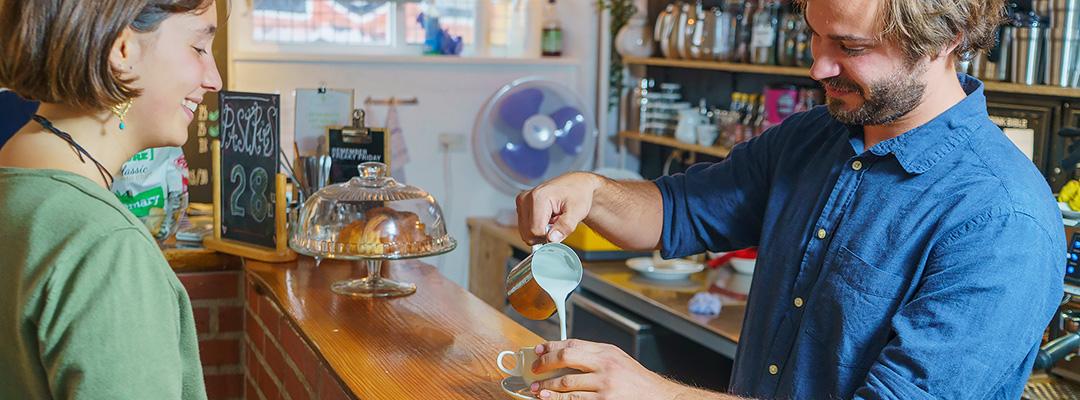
pixel 551 38
pixel 742 33
pixel 763 38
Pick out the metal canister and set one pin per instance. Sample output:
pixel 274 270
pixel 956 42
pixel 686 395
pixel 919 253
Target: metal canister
pixel 697 36
pixel 684 29
pixel 722 29
pixel 1061 61
pixel 993 65
pixel 1027 49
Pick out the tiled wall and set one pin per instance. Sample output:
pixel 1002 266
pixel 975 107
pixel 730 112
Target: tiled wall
pixel 218 307
pixel 280 365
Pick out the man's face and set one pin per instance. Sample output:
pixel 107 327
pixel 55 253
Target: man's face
pixel 867 80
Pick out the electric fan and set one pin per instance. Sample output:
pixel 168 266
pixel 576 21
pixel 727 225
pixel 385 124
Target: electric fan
pixel 532 130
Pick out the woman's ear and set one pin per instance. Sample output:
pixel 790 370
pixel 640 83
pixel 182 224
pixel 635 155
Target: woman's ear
pixel 125 50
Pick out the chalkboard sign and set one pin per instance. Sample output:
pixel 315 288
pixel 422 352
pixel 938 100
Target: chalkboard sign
pixel 201 133
pixel 250 147
pixel 351 146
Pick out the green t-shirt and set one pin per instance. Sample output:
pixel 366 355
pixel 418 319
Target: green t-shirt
pixel 89 308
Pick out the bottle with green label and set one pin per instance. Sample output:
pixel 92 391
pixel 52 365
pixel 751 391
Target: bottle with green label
pixel 551 38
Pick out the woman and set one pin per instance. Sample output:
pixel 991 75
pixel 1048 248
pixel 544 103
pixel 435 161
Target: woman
pixel 88 306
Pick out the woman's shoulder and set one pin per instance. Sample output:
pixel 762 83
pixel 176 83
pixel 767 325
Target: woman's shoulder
pixel 60 202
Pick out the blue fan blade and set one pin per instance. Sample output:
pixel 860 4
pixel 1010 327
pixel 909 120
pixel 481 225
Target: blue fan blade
pixel 519 106
pixel 572 127
pixel 524 160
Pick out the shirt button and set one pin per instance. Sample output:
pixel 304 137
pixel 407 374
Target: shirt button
pixel 773 369
pixel 821 233
pixel 857 165
pixel 798 302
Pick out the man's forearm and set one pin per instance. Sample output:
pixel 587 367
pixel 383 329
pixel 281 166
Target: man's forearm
pixel 628 213
pixel 691 393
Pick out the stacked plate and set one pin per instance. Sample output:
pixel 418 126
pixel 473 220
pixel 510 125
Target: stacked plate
pixel 653 268
pixel 660 112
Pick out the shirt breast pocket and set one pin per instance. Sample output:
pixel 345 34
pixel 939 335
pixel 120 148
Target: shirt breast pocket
pixel 851 310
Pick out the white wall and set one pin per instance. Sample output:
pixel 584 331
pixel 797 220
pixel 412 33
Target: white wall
pixel 451 93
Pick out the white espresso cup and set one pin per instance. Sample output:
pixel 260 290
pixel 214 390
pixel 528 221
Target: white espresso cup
pixel 523 361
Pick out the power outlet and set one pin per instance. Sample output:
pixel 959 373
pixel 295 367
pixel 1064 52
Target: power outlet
pixel 452 142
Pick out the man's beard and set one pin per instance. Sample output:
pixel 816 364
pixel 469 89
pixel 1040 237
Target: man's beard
pixel 889 98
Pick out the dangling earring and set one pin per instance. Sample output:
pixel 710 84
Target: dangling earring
pixel 120 111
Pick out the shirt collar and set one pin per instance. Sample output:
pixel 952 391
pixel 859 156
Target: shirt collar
pixel 921 148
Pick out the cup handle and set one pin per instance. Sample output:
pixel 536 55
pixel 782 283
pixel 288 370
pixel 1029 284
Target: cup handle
pixel 516 371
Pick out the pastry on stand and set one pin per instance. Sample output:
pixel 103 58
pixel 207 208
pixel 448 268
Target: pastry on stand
pixel 371 218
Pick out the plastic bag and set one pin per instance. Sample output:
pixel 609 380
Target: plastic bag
pixel 154 187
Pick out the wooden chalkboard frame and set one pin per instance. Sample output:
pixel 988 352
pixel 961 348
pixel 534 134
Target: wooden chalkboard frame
pixel 280 251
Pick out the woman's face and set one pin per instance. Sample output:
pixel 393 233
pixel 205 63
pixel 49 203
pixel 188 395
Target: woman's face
pixel 175 69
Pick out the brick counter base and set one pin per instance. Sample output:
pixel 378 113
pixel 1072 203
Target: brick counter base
pixel 279 363
pixel 218 307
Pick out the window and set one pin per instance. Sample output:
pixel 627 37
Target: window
pixel 357 23
pixel 389 27
pixel 322 21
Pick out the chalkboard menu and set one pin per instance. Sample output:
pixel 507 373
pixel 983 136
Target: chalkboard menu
pixel 350 147
pixel 250 127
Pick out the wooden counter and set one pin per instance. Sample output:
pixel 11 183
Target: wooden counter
pixel 197 259
pixel 666 304
pixel 439 343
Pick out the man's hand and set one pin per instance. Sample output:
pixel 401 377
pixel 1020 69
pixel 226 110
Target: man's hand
pixel 562 202
pixel 606 373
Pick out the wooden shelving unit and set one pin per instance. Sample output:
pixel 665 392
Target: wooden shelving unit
pixel 715 151
pixel 997 87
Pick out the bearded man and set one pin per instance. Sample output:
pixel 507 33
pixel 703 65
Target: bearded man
pixel 908 250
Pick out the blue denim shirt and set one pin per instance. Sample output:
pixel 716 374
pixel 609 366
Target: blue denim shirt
pixel 927 266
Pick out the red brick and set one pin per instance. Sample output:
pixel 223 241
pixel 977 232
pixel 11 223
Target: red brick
pixel 270 315
pixel 253 331
pixel 294 388
pixel 329 388
pixel 276 361
pixel 249 389
pixel 249 360
pixel 251 297
pixel 202 319
pixel 230 319
pixel 221 387
pixel 300 354
pixel 220 352
pixel 269 389
pixel 211 285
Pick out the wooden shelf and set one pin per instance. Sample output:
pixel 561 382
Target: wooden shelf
pixel 1037 90
pixel 720 66
pixel 715 151
pixel 991 86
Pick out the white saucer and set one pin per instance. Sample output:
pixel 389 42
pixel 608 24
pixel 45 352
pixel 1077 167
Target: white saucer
pixel 674 269
pixel 516 388
pixel 1067 212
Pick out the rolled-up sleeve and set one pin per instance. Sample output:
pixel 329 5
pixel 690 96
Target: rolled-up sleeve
pixel 977 317
pixel 718 206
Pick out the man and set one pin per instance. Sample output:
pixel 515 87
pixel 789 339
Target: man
pixel 908 250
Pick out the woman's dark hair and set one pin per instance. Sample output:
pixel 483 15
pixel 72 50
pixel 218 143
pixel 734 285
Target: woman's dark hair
pixel 57 51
